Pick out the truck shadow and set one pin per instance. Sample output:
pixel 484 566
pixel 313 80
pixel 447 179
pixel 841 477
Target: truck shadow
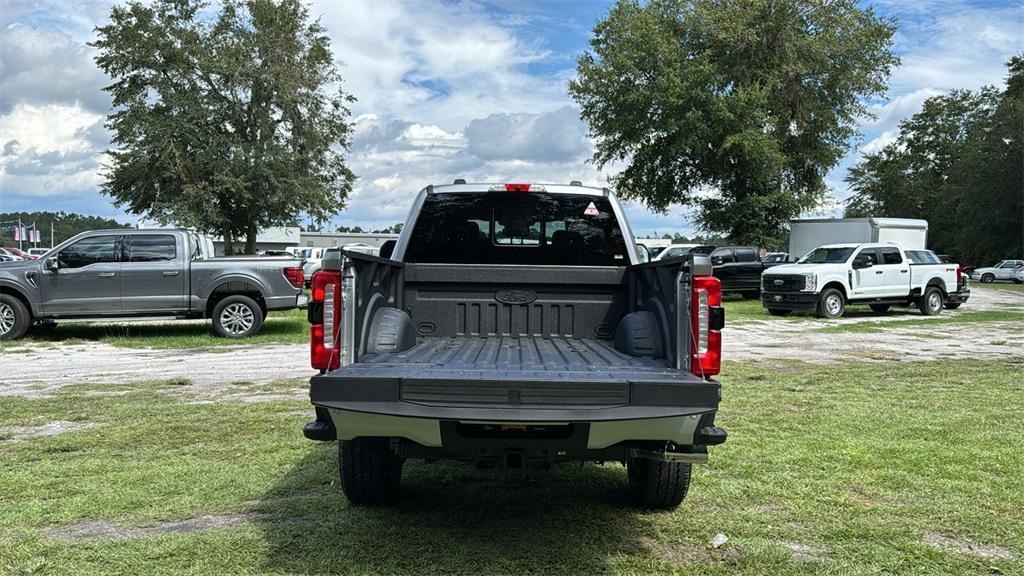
pixel 451 518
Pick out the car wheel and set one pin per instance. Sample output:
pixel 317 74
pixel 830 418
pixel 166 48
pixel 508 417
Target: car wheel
pixel 930 303
pixel 14 318
pixel 953 305
pixel 657 484
pixel 988 278
pixel 237 317
pixel 779 312
pixel 831 304
pixel 370 471
pixel 880 308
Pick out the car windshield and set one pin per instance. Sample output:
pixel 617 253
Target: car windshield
pixel 827 256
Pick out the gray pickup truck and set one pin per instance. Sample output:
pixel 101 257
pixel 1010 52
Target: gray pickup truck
pixel 105 274
pixel 514 326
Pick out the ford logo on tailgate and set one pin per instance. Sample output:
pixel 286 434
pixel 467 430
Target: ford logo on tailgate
pixel 515 296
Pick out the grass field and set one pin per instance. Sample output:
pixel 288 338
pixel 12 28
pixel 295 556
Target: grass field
pixel 850 469
pixel 288 326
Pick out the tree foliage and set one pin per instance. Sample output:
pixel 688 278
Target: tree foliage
pixel 227 122
pixel 738 108
pixel 958 163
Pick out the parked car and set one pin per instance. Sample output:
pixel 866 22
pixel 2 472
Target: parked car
pixel 1018 275
pixel 829 278
pixel 11 255
pixel 107 274
pixel 739 269
pixel 37 252
pixel 5 257
pixel 775 257
pixel 680 250
pixel 22 253
pixel 1001 271
pixel 514 326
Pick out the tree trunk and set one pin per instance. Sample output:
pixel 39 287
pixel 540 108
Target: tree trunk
pixel 250 235
pixel 229 248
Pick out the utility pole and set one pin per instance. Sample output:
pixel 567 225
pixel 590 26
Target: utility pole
pixel 21 234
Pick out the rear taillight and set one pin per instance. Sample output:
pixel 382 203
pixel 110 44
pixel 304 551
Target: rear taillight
pixel 295 276
pixel 325 317
pixel 959 277
pixel 707 317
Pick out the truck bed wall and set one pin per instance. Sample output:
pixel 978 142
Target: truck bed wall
pixel 452 300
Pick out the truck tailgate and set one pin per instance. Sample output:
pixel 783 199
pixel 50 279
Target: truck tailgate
pixel 524 378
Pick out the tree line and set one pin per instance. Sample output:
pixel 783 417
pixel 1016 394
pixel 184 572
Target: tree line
pixel 958 163
pixel 63 224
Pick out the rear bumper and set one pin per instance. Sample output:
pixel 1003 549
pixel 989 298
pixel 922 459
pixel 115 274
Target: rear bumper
pixel 287 302
pixel 789 300
pixel 656 411
pixel 958 297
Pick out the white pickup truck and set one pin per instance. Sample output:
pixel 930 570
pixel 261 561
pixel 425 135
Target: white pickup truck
pixel 831 277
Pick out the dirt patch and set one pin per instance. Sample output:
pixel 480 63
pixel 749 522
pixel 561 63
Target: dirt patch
pixel 684 554
pixel 114 531
pixel 41 373
pixel 960 546
pixel 18 433
pixel 804 553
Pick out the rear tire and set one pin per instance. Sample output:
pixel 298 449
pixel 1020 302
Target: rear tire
pixel 930 303
pixel 779 312
pixel 237 317
pixel 370 472
pixel 881 308
pixel 831 304
pixel 988 278
pixel 14 318
pixel 656 484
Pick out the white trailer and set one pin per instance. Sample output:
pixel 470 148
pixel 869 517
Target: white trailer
pixel 806 235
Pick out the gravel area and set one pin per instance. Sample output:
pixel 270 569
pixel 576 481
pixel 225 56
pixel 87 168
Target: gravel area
pixel 32 370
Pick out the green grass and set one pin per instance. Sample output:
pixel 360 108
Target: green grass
pixel 999 286
pixel 288 326
pixel 859 462
pixel 944 320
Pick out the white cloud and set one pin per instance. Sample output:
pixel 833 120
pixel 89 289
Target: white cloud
pixel 49 150
pixel 558 136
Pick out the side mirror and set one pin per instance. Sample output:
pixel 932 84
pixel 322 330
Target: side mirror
pixel 861 264
pixel 717 261
pixel 643 252
pixel 387 249
pixel 51 263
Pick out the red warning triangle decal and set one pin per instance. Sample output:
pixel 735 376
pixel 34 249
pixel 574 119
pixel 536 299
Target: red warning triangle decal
pixel 591 210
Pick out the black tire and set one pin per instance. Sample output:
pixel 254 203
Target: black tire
pixel 237 317
pixel 953 305
pixel 656 484
pixel 930 303
pixel 831 304
pixel 14 318
pixel 779 312
pixel 988 278
pixel 881 308
pixel 370 472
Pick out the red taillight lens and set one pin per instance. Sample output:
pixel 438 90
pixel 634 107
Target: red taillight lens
pixel 706 344
pixel 324 336
pixel 295 276
pixel 517 187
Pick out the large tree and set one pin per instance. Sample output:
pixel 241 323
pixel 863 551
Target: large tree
pixel 736 107
pixel 226 121
pixel 958 163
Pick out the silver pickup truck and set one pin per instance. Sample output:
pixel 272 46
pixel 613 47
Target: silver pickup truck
pixel 105 274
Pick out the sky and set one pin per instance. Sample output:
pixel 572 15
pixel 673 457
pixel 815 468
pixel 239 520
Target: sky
pixel 444 90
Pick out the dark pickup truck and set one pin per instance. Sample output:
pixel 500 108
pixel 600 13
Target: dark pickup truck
pixel 739 269
pixel 513 326
pixel 134 274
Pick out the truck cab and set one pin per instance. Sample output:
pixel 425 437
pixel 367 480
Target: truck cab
pixel 514 326
pixel 831 277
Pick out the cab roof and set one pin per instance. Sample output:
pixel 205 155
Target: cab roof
pixel 461 186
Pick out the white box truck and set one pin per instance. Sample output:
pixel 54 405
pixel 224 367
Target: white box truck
pixel 806 235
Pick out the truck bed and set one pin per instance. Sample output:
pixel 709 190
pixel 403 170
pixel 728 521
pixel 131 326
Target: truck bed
pixel 448 375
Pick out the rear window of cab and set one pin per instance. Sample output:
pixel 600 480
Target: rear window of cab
pixel 517 228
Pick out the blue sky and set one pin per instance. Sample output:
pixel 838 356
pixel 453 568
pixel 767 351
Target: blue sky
pixel 445 90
